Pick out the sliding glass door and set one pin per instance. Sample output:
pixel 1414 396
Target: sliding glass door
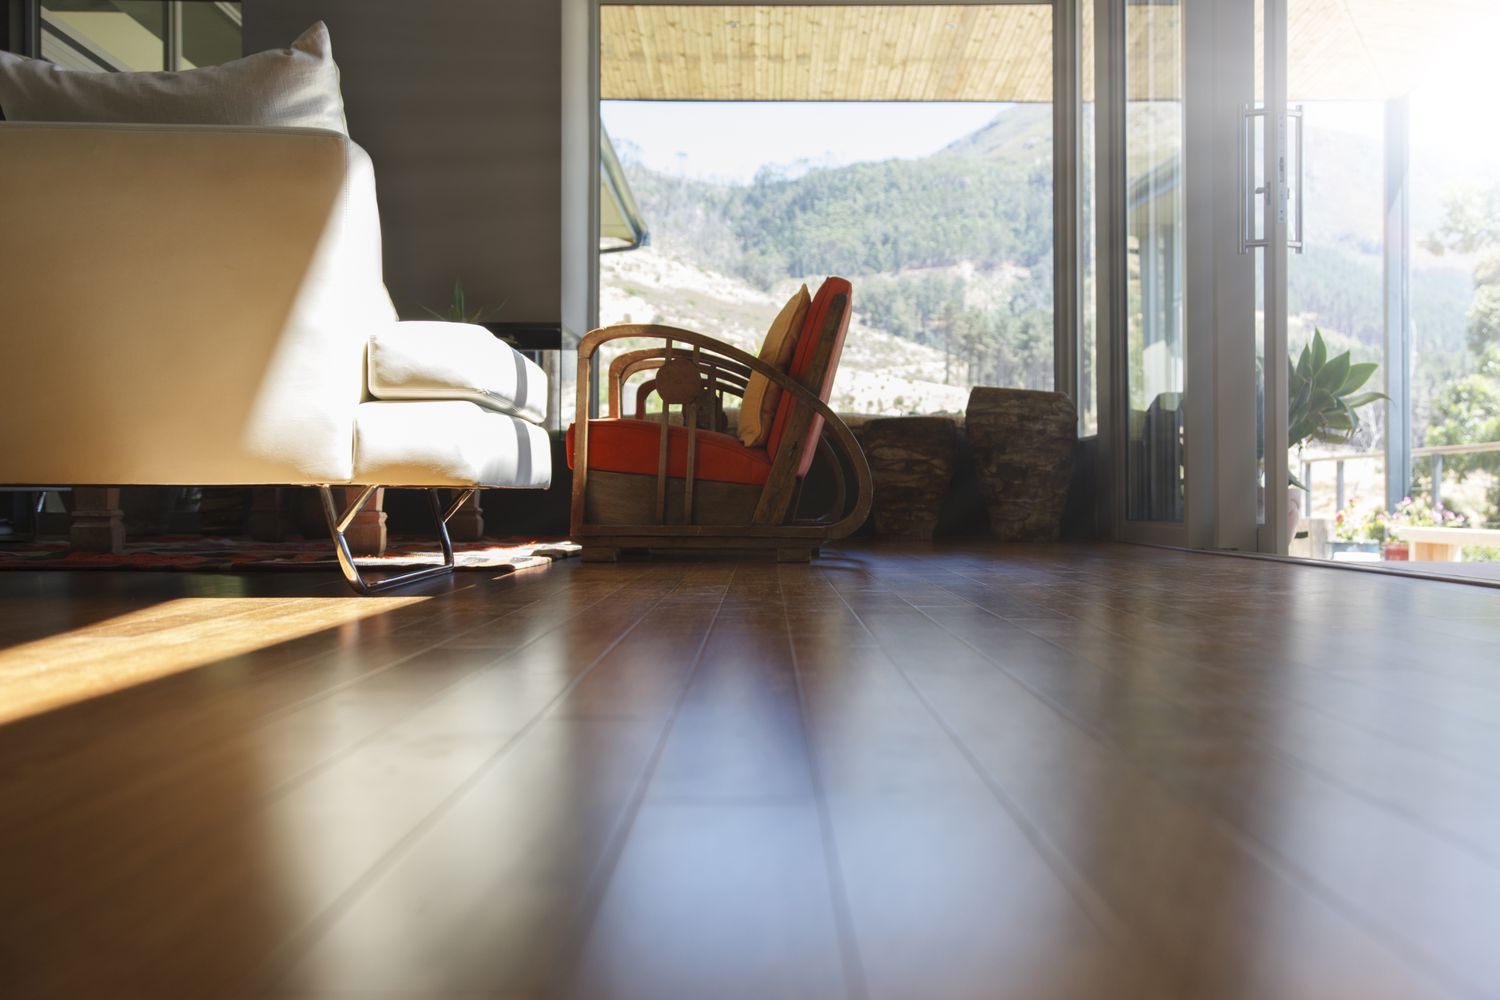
pixel 1155 351
pixel 1142 259
pixel 1366 220
pixel 1200 196
pixel 1398 274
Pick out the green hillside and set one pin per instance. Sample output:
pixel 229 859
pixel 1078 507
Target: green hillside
pixel 953 250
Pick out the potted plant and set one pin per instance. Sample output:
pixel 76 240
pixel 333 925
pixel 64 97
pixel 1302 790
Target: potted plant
pixel 1360 532
pixel 1418 514
pixel 1323 400
pixel 459 311
pixel 1323 396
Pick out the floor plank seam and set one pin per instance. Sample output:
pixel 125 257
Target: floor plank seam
pixel 1479 852
pixel 303 937
pixel 1110 924
pixel 586 912
pixel 1414 958
pixel 303 777
pixel 854 969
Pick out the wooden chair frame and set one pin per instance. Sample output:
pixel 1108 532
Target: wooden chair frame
pixel 696 380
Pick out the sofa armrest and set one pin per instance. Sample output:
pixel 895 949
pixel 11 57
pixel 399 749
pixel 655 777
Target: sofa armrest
pixel 184 304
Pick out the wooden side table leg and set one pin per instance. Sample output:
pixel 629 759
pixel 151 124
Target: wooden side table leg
pixel 98 522
pixel 367 535
pixel 467 523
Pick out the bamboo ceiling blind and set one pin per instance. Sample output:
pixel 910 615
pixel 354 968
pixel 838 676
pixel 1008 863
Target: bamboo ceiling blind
pixel 1339 49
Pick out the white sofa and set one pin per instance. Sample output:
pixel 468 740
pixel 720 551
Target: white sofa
pixel 203 305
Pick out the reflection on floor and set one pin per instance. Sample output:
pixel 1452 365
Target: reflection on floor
pixel 898 772
pixel 146 644
pixel 1462 570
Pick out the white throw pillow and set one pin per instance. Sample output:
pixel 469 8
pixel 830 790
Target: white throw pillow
pixel 298 86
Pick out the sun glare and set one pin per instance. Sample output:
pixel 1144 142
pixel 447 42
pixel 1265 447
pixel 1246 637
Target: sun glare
pixel 162 640
pixel 1453 106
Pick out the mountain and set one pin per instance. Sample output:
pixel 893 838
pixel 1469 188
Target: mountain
pixel 880 372
pixel 950 253
pixel 1020 133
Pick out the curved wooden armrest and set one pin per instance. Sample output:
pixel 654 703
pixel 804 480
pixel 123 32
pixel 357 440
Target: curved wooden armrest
pixel 652 331
pixel 631 358
pixel 842 435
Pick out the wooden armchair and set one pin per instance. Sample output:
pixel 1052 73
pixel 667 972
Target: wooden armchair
pixel 644 483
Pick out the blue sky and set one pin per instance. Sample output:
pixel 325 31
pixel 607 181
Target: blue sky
pixel 731 141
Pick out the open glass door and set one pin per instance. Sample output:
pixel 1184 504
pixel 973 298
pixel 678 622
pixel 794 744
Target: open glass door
pixel 1200 198
pixel 1155 348
pixel 1393 287
pixel 1271 187
pixel 1298 233
pixel 1141 272
pixel 1240 192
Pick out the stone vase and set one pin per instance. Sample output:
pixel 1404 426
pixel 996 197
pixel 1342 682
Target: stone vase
pixel 911 463
pixel 1023 443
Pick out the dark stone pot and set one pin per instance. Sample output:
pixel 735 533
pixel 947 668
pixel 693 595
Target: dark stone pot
pixel 1023 442
pixel 911 463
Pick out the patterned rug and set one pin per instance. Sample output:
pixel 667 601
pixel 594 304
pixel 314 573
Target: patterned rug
pixel 211 554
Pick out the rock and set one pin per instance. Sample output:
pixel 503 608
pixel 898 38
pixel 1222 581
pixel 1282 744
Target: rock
pixel 1023 443
pixel 911 462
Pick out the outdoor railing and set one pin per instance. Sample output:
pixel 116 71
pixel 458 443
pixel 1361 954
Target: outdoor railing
pixel 1434 452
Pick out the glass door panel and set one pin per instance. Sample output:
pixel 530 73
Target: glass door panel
pixel 1154 349
pixel 1397 283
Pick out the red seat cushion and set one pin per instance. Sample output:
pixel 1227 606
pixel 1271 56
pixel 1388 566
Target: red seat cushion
pixel 628 445
pixel 807 346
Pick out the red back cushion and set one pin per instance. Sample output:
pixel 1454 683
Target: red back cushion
pixel 813 329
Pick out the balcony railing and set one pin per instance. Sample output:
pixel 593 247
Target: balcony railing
pixel 1436 453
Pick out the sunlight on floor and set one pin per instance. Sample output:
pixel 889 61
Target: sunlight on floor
pixel 162 640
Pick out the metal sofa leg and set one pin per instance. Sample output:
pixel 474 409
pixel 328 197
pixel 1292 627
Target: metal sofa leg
pixel 338 524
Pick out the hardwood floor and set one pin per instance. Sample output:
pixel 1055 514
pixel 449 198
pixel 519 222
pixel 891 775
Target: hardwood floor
pixel 1015 772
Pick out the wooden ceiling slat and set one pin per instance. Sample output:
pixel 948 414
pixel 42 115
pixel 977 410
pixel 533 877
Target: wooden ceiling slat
pixel 1339 49
pixel 780 53
pixel 876 60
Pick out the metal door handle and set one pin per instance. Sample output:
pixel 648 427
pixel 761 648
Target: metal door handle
pixel 1294 240
pixel 1249 191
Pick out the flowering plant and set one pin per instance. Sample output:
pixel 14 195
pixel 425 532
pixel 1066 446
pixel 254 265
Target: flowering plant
pixel 1373 524
pixel 1363 524
pixel 1420 514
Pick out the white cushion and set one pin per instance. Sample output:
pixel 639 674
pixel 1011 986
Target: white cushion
pixel 297 86
pixel 452 443
pixel 435 360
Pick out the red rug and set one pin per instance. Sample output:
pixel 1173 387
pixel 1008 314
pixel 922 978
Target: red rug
pixel 234 555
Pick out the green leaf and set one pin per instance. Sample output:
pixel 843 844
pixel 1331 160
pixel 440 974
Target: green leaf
pixel 1358 375
pixel 1364 399
pixel 1301 430
pixel 1304 363
pixel 1292 480
pixel 1319 349
pixel 1350 416
pixel 1332 375
pixel 1298 406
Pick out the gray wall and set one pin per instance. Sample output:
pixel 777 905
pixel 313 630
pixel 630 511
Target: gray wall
pixel 460 105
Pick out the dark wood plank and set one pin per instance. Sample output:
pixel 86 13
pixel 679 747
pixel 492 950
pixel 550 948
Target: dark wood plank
pixel 1042 771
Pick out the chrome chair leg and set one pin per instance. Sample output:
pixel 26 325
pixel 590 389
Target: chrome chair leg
pixel 338 524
